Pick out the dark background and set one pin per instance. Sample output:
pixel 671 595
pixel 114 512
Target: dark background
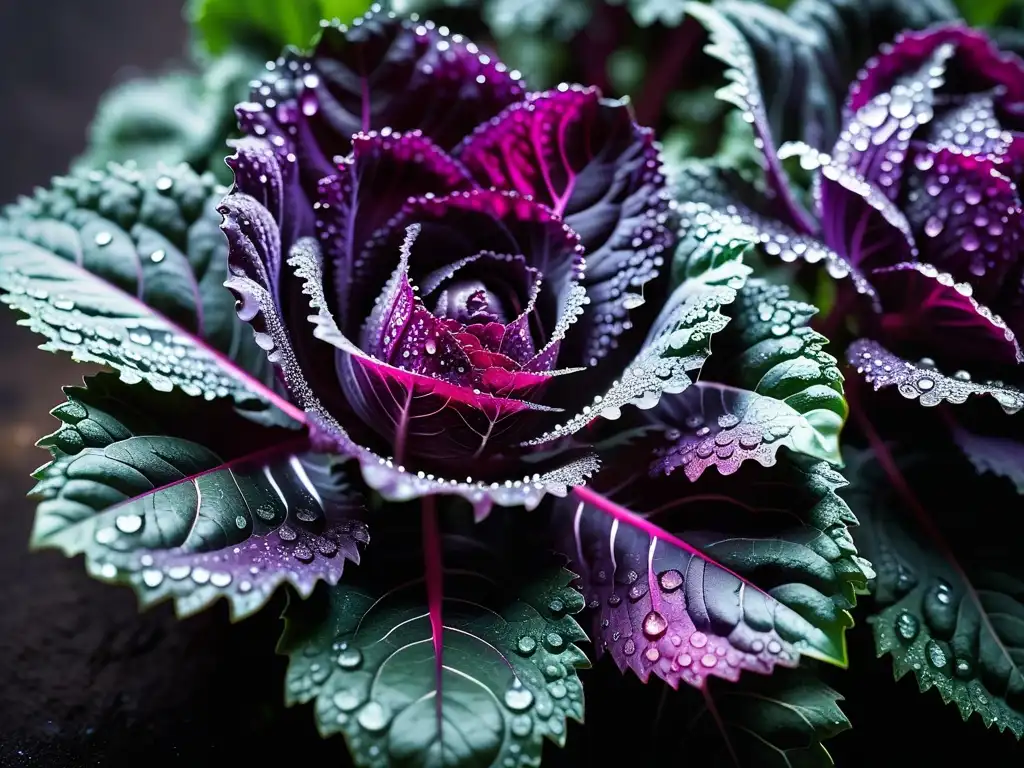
pixel 85 680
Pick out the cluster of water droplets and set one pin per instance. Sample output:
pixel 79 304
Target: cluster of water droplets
pixel 348 679
pixel 930 632
pixel 103 319
pixel 923 381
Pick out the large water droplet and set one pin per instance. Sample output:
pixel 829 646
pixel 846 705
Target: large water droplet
pixel 526 645
pixel 654 625
pixel 907 627
pixel 103 239
pixel 374 716
pixel 698 639
pixel 937 655
pixel 128 523
pixel 517 697
pixel 670 581
pixel 350 658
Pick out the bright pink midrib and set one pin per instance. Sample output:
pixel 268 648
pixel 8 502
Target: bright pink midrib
pixel 298 445
pixel 623 515
pixel 252 384
pixel 434 567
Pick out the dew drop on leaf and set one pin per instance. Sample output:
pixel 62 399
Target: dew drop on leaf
pixel 517 697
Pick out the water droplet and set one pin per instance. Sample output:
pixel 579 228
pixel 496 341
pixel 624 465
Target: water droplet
pixel 937 655
pixel 709 660
pixel 152 578
pixel 303 554
pixel 157 256
pixel 346 701
pixel 554 641
pixel 220 579
pixel 698 639
pixel 629 647
pixel 128 523
pixel 374 716
pixel 670 581
pixel 241 522
pixel 907 627
pixel 526 645
pixel 654 625
pixel 286 533
pixel 517 697
pixel 430 346
pixel 350 658
pixel 558 690
pixel 925 384
pixel 200 576
pixel 179 572
pixel 104 238
pixel 963 669
pixel 556 606
pixel 652 654
pixel 933 227
pixel 521 726
pixel 164 183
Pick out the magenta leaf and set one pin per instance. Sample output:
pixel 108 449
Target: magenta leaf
pixel 695 579
pixel 978 65
pixel 458 642
pixel 927 311
pixel 183 501
pixel 585 158
pixel 922 381
pixel 968 216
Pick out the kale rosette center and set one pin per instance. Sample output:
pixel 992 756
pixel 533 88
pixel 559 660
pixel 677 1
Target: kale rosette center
pixel 450 273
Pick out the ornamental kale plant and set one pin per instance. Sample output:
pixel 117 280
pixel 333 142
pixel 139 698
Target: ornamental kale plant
pixel 484 388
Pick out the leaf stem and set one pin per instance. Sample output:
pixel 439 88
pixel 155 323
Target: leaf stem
pixel 434 565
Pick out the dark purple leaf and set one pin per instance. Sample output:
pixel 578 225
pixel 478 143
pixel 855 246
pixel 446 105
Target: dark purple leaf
pixel 371 186
pixel 922 381
pixel 967 214
pixel 585 158
pixel 860 222
pixel 928 313
pixel 382 72
pixel 1001 456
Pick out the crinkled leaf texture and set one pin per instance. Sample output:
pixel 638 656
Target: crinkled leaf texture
pixel 455 647
pixel 807 55
pixel 126 269
pixel 764 722
pixel 183 499
pixel 689 580
pixel 950 594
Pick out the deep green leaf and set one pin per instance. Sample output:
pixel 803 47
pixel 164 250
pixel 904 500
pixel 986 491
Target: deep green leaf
pixel 366 655
pixel 179 117
pixel 265 26
pixel 950 589
pixel 126 269
pixel 183 499
pixel 770 349
pixel 761 722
